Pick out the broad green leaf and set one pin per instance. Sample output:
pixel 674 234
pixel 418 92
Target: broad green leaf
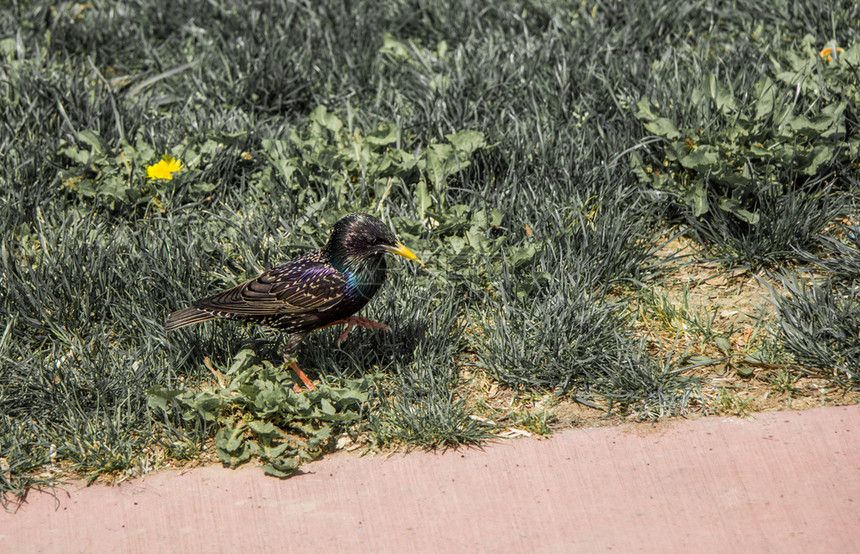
pixel 639 168
pixel 113 187
pixel 360 153
pixel 269 400
pixel 322 117
pixel 523 255
pixel 645 110
pixel 820 155
pixel 423 199
pixel 275 149
pixel 382 188
pixel 265 429
pixel 724 344
pixel 720 94
pixel 237 458
pixel 663 127
pixel 277 152
pixel 760 151
pixel 211 147
pixel 356 389
pixel 241 361
pixel 477 238
pixel 285 468
pixel 78 156
pixel 202 188
pixel 697 198
pixel 766 92
pixel 274 452
pixel 94 140
pixel 298 402
pixel 697 96
pixel 161 398
pixel 383 136
pixel 320 436
pixel 734 207
pixel 802 124
pixel 8 48
pixel 724 98
pixel 828 119
pixel 142 151
pixel 439 158
pixel 230 439
pixel 701 159
pixel 457 243
pixel 326 407
pixel 734 180
pixel 479 219
pixel 207 404
pixel 305 428
pixel 408 161
pixel 467 141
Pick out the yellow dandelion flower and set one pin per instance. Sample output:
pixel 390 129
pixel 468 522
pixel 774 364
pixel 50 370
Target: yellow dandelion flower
pixel 164 169
pixel 827 53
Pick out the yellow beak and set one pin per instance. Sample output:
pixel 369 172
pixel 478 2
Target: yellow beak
pixel 401 250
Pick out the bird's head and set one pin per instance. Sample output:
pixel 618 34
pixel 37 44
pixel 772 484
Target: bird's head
pixel 359 239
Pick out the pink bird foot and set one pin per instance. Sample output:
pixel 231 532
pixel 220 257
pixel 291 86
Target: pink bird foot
pixel 301 375
pixel 352 321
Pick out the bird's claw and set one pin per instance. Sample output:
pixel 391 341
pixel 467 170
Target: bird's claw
pixel 365 322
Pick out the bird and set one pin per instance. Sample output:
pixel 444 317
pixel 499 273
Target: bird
pixel 319 289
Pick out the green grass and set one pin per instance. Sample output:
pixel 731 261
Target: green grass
pixel 819 324
pixel 500 141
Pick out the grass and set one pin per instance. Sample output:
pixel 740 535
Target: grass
pixel 819 324
pixel 506 144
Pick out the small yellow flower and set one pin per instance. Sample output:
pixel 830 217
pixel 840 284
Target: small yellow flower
pixel 827 53
pixel 164 169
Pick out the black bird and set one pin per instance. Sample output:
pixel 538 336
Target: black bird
pixel 321 288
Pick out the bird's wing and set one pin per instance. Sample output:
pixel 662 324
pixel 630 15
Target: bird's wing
pixel 300 286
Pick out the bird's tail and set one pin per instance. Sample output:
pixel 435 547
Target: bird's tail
pixel 186 316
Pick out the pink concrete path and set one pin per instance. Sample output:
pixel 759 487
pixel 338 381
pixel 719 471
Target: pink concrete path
pixel 781 482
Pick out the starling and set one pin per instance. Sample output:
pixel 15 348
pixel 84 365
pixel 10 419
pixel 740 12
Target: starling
pixel 321 288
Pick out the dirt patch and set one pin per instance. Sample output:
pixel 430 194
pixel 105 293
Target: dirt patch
pixel 724 319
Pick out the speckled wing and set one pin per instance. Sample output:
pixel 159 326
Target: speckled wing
pixel 306 284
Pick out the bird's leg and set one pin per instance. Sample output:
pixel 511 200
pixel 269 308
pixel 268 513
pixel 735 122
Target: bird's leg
pixel 352 321
pixel 301 375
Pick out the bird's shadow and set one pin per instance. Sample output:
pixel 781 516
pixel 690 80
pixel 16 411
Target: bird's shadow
pixel 364 351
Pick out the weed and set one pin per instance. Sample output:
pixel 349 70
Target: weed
pixel 730 402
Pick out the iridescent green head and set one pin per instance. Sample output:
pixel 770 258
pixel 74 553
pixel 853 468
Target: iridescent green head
pixel 360 241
